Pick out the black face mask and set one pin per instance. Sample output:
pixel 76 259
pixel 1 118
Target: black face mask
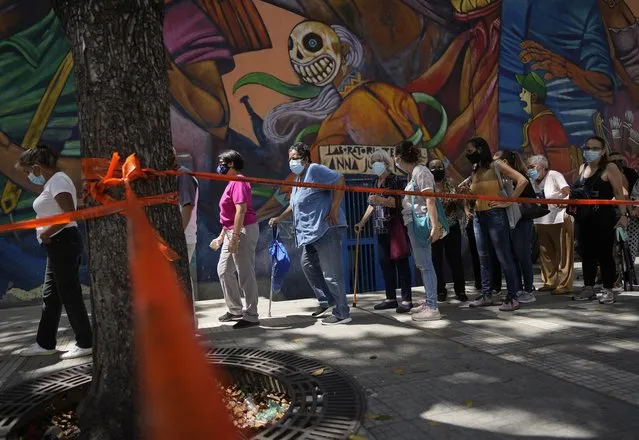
pixel 474 157
pixel 438 174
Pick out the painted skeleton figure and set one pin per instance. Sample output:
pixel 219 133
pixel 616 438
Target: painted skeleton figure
pixel 348 109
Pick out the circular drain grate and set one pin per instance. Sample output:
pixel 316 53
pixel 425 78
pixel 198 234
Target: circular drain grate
pixel 325 404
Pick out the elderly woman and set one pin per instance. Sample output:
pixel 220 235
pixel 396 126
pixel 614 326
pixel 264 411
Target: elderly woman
pixel 554 230
pixel 451 244
pixel 491 221
pixel 237 240
pixel 387 221
pixel 320 224
pixel 63 245
pixel 598 179
pixel 407 158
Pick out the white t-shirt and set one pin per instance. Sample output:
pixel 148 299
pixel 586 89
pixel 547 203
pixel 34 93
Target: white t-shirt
pixel 45 204
pixel 423 181
pixel 551 187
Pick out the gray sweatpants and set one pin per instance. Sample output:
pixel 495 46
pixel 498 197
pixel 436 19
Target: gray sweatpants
pixel 242 262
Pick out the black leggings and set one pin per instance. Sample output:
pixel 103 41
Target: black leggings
pixel 451 246
pixel 596 237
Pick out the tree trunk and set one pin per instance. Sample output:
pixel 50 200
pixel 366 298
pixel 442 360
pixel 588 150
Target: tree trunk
pixel 122 83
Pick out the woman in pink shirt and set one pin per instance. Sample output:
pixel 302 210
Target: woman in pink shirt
pixel 237 240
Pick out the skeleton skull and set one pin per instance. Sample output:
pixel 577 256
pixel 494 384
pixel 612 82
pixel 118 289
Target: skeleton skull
pixel 315 52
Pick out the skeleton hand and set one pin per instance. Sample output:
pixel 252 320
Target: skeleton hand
pixel 555 65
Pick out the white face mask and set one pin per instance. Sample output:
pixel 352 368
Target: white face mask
pixel 379 168
pixel 296 166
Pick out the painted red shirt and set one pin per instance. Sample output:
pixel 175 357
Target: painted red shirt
pixel 544 134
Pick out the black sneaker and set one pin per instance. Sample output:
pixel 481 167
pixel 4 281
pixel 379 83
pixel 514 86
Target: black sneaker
pixel 404 308
pixel 228 317
pixel 385 305
pixel 461 297
pixel 319 311
pixel 243 323
pixel 442 296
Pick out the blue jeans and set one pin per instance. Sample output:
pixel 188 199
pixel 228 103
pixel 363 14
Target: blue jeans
pixel 423 257
pixel 322 264
pixel 491 227
pixel 522 237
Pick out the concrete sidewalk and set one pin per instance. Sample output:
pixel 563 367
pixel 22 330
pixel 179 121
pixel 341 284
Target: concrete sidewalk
pixel 554 369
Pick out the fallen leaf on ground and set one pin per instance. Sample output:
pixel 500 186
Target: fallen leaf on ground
pixel 318 372
pixel 433 423
pixel 297 340
pixel 356 437
pixel 370 416
pixel 398 371
pixel 373 357
pixel 468 403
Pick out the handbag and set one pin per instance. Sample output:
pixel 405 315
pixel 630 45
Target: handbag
pixel 506 190
pixel 399 246
pixel 531 211
pixel 581 191
pixel 422 224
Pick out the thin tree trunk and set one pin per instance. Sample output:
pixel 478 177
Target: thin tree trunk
pixel 122 83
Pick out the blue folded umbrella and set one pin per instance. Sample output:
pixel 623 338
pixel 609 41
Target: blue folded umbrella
pixel 280 261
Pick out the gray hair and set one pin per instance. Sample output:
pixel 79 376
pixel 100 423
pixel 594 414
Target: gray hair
pixel 383 156
pixel 538 160
pixel 283 121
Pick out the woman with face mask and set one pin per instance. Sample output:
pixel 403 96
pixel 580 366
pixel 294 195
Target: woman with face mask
pixel 522 235
pixel 554 230
pixel 407 159
pixel 320 224
pixel 63 245
pixel 387 221
pixel 599 179
pixel 451 244
pixel 491 222
pixel 237 242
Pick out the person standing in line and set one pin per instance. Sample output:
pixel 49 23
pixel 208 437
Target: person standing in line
pixel 63 245
pixel 238 240
pixel 188 195
pixel 491 221
pixel 522 235
pixel 320 226
pixel 554 230
pixel 407 158
pixel 387 219
pixel 451 244
pixel 601 180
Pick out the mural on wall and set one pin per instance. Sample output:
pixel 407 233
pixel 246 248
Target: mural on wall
pixel 344 76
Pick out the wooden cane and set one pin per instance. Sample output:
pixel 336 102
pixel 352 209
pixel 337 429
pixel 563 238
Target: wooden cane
pixel 356 269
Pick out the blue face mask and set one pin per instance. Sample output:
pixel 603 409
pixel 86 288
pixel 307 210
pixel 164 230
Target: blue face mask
pixel 378 168
pixel 533 174
pixel 222 169
pixel 296 166
pixel 37 180
pixel 591 156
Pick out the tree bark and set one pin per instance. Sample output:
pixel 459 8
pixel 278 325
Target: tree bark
pixel 122 83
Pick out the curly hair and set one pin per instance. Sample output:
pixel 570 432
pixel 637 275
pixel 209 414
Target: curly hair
pixel 302 150
pixel 41 155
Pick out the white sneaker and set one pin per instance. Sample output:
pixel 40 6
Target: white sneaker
pixel 526 297
pixel 427 314
pixel 607 297
pixel 418 308
pixel 77 352
pixel 36 350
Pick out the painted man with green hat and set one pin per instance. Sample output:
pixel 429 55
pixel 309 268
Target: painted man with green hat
pixel 543 132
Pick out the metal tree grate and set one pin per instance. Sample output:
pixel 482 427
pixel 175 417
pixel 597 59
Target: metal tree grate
pixel 324 406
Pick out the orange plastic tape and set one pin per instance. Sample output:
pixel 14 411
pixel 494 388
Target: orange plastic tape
pixel 178 391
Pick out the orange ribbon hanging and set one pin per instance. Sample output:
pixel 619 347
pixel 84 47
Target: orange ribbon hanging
pixel 179 397
pixel 131 171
